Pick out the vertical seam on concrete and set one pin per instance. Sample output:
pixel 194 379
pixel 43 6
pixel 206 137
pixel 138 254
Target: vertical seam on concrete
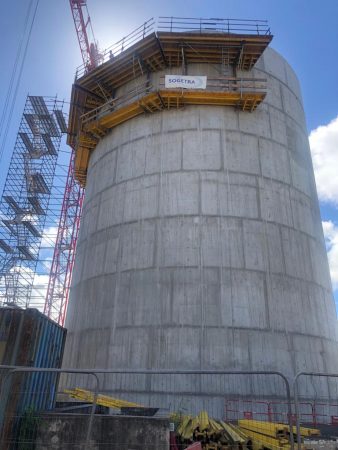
pixel 201 281
pixel 118 273
pixel 115 166
pixel 269 115
pixel 290 203
pixel 250 358
pixel 260 155
pixel 281 93
pixel 241 221
pixel 282 248
pixel 267 291
pixel 312 276
pixel 171 295
pixel 199 211
pixel 222 148
pixel 258 198
pixel 291 351
pixel 105 253
pixel 158 207
pixel 182 149
pixel 326 370
pixel 155 253
pixel 237 118
pixel 96 216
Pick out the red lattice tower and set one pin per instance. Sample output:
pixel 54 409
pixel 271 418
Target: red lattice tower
pixel 83 26
pixel 64 252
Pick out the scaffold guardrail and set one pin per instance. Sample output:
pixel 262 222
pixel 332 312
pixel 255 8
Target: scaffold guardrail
pixel 179 24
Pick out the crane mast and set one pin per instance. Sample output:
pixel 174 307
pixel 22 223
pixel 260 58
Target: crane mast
pixel 64 251
pixel 83 27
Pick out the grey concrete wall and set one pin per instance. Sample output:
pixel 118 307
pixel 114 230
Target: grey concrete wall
pixel 201 245
pixel 68 432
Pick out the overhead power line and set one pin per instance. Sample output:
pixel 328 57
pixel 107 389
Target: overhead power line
pixel 14 85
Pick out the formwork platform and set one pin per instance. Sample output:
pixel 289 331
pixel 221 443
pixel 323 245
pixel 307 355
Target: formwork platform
pixel 98 91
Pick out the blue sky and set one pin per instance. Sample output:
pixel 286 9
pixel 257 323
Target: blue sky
pixel 305 33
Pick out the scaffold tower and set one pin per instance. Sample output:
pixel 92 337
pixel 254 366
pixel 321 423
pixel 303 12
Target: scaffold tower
pixel 26 196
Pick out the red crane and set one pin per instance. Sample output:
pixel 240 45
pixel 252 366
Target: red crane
pixel 64 251
pixel 83 26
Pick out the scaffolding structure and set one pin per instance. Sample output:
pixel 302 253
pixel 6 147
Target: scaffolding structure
pixel 26 196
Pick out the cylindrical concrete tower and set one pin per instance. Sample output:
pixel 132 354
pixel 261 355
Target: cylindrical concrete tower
pixel 201 245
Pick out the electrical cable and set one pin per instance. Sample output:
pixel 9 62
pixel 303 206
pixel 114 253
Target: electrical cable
pixel 9 118
pixel 16 62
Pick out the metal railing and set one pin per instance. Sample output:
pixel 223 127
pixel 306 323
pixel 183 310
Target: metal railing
pixel 123 44
pixel 214 84
pixel 118 102
pixel 179 24
pixel 312 413
pixel 202 25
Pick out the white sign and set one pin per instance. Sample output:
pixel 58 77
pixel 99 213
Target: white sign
pixel 185 82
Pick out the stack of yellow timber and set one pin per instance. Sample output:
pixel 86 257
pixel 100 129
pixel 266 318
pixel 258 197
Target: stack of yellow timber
pixel 272 435
pixel 307 432
pixel 103 400
pixel 212 434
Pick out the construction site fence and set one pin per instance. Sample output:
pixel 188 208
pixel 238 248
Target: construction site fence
pixel 172 24
pixel 311 413
pixel 34 406
pixel 26 392
pixel 322 411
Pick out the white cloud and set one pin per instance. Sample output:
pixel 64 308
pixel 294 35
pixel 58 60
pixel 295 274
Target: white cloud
pixel 324 149
pixel 331 239
pixel 49 237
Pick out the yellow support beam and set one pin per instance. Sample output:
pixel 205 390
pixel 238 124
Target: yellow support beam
pixel 102 120
pixel 268 442
pixel 103 400
pixel 271 429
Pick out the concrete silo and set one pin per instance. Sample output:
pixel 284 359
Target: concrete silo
pixel 201 244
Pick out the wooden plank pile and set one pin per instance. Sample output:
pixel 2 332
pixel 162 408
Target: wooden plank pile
pixel 210 433
pixel 271 435
pixel 213 434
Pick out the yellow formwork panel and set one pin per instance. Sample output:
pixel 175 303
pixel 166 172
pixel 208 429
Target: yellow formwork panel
pixel 81 164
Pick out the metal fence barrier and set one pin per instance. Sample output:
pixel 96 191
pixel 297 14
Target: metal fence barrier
pixel 29 420
pixel 189 392
pixel 321 391
pixel 24 392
